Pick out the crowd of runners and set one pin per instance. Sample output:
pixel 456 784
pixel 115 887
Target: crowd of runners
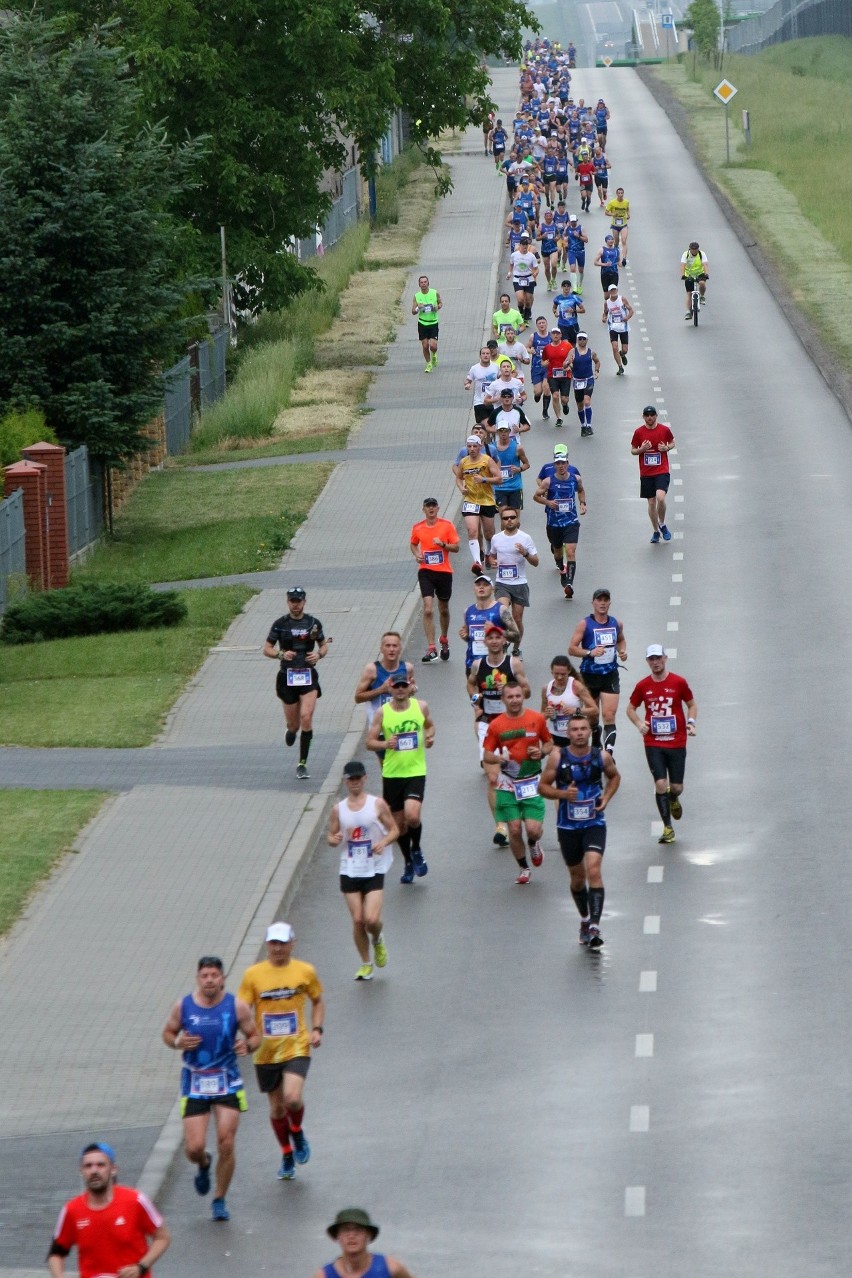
pixel 552 741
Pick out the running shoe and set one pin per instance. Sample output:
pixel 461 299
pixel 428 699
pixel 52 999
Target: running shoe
pixel 435 360
pixel 501 835
pixel 702 300
pixel 655 537
pixel 568 590
pixel 624 358
pixel 287 1170
pixel 667 836
pixel 665 532
pixel 536 854
pixel 619 371
pixel 624 261
pixel 380 952
pixel 219 1210
pixel 516 652
pixel 688 315
pixel 476 568
pixel 445 648
pixel 595 938
pixel 428 368
pixel 584 932
pixel 302 773
pixel 558 422
pixel 524 877
pixel 675 806
pixel 301 1148
pixel 289 738
pixel 407 875
pixel 421 869
pixel 545 415
pixel 431 654
pixel 585 431
pixel 365 972
pixel 202 1179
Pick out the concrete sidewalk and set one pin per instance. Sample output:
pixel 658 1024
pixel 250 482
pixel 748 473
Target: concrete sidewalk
pixel 174 866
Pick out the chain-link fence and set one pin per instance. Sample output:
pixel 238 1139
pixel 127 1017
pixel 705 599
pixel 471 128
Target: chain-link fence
pixel 342 214
pixel 790 20
pixel 12 542
pixel 84 500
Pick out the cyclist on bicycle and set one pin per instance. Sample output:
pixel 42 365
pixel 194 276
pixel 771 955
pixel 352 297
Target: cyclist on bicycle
pixel 694 269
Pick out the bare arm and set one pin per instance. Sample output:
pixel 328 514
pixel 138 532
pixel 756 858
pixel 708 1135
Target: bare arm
pixel 521 675
pixel 428 726
pixel 160 1240
pixel 637 719
pixel 575 648
pixel 175 1036
pixel 334 835
pixel 364 690
pixel 613 780
pixel 252 1036
pixel 692 711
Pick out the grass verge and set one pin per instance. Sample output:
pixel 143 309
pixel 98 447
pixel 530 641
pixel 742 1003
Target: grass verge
pixel 39 826
pixel 793 183
pixel 109 690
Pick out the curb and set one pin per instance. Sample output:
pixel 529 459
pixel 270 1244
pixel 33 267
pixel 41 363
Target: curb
pixel 836 379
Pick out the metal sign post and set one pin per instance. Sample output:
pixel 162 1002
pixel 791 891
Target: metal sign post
pixel 724 91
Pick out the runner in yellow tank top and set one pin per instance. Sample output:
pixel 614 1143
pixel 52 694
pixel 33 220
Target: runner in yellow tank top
pixel 476 474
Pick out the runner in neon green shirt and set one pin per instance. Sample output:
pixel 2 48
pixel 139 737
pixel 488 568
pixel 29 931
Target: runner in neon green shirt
pixel 426 305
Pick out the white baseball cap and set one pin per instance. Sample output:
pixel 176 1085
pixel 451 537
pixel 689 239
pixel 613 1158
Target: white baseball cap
pixel 280 932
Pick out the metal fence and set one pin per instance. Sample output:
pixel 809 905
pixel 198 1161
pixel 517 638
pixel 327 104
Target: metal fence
pixel 178 406
pixel 790 20
pixel 212 357
pixel 342 214
pixel 12 541
pixel 84 498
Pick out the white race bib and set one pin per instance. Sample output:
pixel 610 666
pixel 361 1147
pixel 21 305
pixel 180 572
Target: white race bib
pixel 406 741
pixel 559 725
pixel 359 858
pixel 507 572
pixel 505 473
pixel 581 811
pixel 470 508
pixel 207 1082
pixel 279 1024
pixel 565 507
pixel 477 641
pixel 525 788
pixel 580 383
pixel 663 725
pixel 651 459
pixel 433 557
pixel 298 678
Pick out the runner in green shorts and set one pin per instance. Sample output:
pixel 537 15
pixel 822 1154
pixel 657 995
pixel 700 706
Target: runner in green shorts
pixel 515 744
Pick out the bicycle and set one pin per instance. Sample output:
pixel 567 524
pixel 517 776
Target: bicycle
pixel 695 302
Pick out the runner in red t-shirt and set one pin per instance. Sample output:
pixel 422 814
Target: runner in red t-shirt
pixel 665 728
pixel 585 171
pixel 553 358
pixel 109 1224
pixel 515 744
pixel 652 443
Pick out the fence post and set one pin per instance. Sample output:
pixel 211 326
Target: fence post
pixel 52 457
pixel 30 478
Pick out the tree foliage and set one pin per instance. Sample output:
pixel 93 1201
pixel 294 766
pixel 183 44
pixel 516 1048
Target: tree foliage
pixel 89 247
pixel 280 86
pixel 702 19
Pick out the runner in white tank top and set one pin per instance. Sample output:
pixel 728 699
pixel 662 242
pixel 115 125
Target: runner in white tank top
pixel 562 696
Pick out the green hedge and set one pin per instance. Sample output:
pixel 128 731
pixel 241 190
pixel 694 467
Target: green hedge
pixel 90 609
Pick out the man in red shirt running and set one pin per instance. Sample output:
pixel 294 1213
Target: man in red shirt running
pixel 665 727
pixel 652 443
pixel 109 1224
pixel 432 542
pixel 553 359
pixel 515 744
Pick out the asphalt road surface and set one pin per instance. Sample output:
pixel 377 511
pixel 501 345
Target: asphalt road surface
pixel 502 1101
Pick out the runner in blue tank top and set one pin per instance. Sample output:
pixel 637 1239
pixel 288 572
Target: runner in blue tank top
pixel 538 376
pixel 600 643
pixel 585 367
pixel 211 1028
pixel 572 776
pixel 353 1231
pixel 564 499
pixel 483 611
pixel 373 688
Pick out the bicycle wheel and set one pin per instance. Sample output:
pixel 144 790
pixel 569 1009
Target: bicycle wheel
pixel 695 306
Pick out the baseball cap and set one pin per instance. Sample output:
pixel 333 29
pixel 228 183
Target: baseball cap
pixel 601 593
pixel 473 439
pixel 507 391
pixel 354 769
pixel 583 335
pixel 399 679
pixel 560 450
pixel 524 236
pixel 572 217
pixel 556 329
pixel 483 577
pixel 655 650
pixel 649 411
pixel 431 501
pixel 493 628
pixel 280 932
pixel 611 287
pixel 297 592
pixel 100 1145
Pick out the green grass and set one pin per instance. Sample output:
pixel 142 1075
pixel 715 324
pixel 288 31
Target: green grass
pixel 38 827
pixel 179 525
pixel 278 446
pixel 109 690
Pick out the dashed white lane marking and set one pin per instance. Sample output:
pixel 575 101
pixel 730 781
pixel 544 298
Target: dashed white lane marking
pixel 679 516
pixel 677 576
pixel 671 653
pixel 634 1200
pixel 674 601
pixel 673 625
pixel 656 872
pixel 651 926
pixel 678 555
pixel 679 497
pixel 677 481
pixel 675 465
pixel 647 982
pixel 640 1118
pixel 645 1045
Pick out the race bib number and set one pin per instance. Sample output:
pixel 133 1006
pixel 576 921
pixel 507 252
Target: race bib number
pixel 618 326
pixel 477 641
pixel 505 473
pixel 427 308
pixel 507 572
pixel 560 725
pixel 470 508
pixel 556 373
pixel 280 1024
pixel 207 1082
pixel 652 459
pixel 359 858
pixel 565 507
pixel 580 383
pixel 433 557
pixel 406 741
pixel 618 221
pixel 525 788
pixel 663 725
pixel 298 678
pixel 581 810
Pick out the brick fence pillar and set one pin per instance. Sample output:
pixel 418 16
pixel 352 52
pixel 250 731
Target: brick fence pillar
pixel 31 478
pixel 52 456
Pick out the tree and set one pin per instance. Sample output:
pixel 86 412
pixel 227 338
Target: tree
pixel 278 87
pixel 88 244
pixel 702 19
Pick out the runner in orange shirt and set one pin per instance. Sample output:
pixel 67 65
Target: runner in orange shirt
pixel 515 744
pixel 432 542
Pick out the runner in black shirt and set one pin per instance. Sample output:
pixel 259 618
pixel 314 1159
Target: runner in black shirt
pixel 298 642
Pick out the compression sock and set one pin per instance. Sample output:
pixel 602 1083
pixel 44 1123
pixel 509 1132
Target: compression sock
pixel 404 842
pixel 294 1118
pixel 596 735
pixel 282 1134
pixel 581 900
pixel 305 746
pixel 522 862
pixel 570 569
pixel 547 399
pixel 589 416
pixel 664 808
pixel 609 731
pixel 596 900
pixel 414 833
pixel 474 551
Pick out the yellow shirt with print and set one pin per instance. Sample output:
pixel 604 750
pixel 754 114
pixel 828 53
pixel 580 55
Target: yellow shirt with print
pixel 279 998
pixel 474 473
pixel 618 211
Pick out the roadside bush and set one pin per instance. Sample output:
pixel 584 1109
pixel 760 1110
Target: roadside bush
pixel 20 429
pixel 89 609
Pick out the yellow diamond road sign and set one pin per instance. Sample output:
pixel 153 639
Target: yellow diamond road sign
pixel 608 63
pixel 724 91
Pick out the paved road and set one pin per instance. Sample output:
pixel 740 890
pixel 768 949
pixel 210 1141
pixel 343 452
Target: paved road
pixel 503 1102
pixel 499 1099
